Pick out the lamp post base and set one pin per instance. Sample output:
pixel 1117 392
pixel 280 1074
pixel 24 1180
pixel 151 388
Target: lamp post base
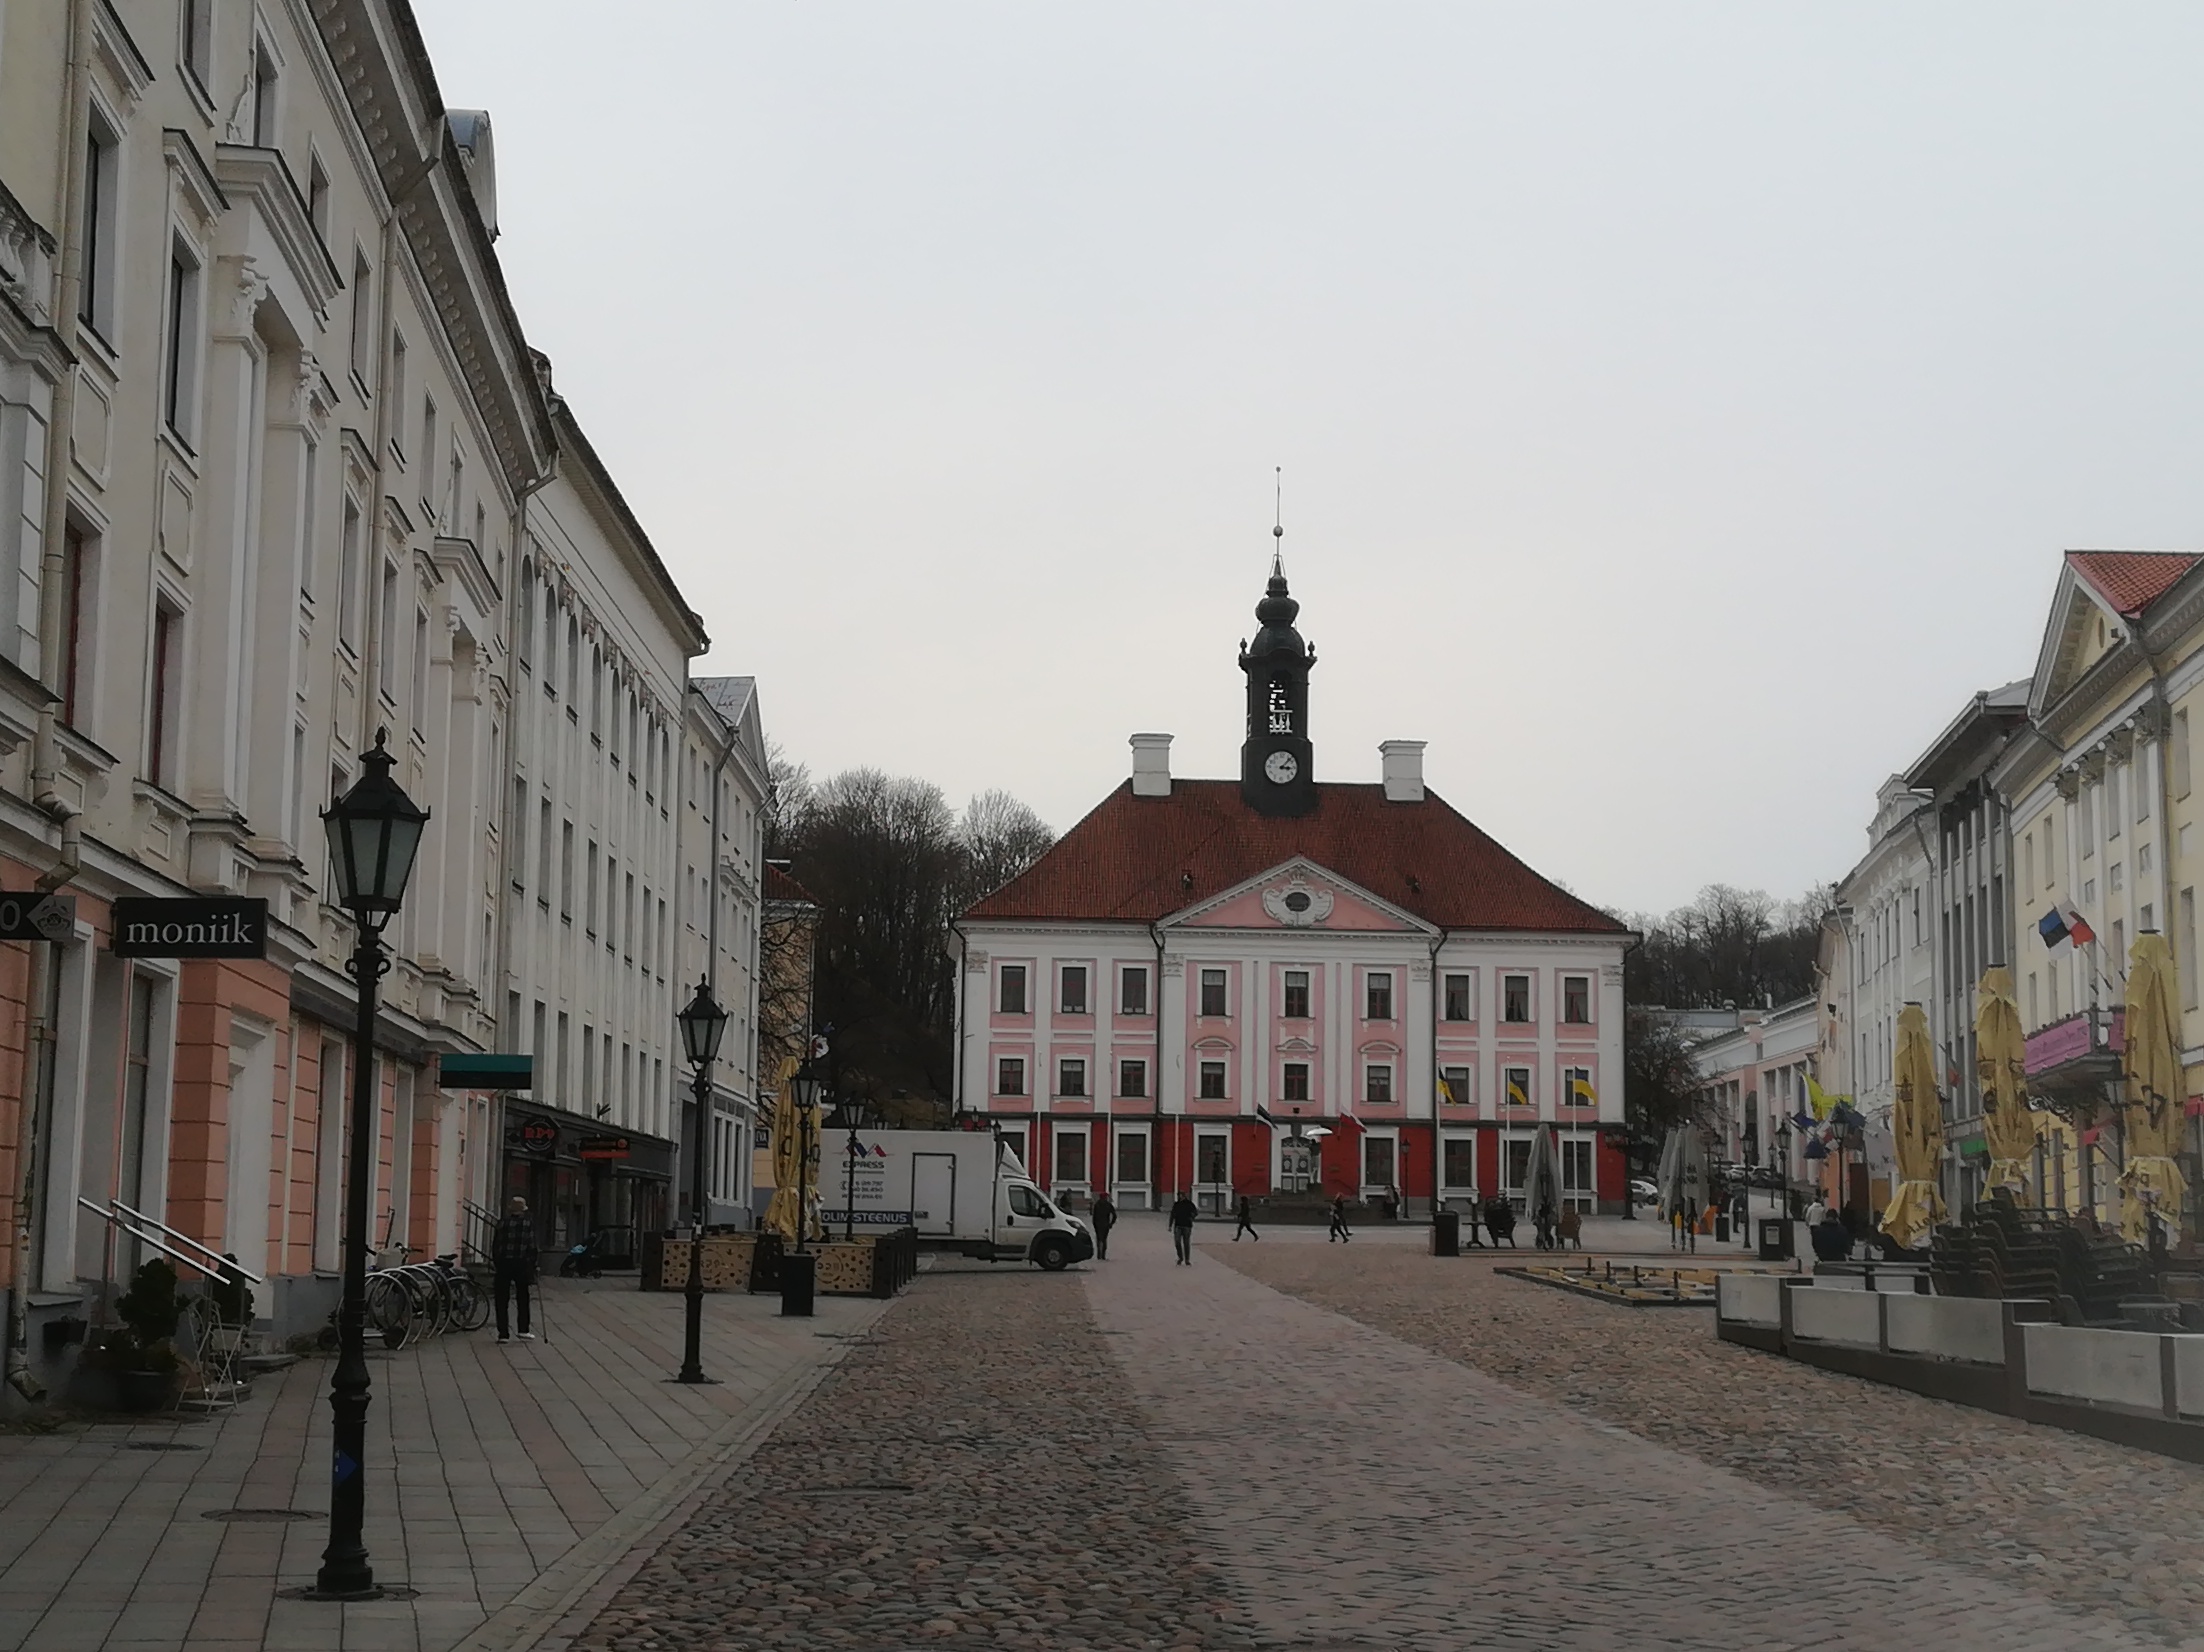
pixel 377 1591
pixel 699 1377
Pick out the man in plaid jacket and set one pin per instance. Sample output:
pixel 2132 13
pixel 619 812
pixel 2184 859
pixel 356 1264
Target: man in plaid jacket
pixel 513 1265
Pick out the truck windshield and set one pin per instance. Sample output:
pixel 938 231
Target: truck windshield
pixel 1026 1201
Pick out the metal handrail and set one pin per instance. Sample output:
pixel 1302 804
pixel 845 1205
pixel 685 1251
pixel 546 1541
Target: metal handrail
pixel 115 1221
pixel 220 1260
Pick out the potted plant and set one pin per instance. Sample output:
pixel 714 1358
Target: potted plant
pixel 140 1353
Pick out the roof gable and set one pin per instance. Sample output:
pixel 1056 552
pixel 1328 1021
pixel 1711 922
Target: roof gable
pixel 1300 895
pixel 1145 859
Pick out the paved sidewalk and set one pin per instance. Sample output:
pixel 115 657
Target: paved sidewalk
pixel 1361 1491
pixel 519 1474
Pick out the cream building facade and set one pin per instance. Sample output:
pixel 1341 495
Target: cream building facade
pixel 279 473
pixel 2105 822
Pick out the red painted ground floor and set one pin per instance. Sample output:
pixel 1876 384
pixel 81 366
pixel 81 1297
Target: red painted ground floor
pixel 1144 1161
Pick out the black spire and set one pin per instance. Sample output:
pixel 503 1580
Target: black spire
pixel 1275 762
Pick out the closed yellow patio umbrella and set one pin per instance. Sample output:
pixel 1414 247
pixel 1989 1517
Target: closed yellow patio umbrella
pixel 782 1213
pixel 2154 1113
pixel 1917 1123
pixel 2001 1062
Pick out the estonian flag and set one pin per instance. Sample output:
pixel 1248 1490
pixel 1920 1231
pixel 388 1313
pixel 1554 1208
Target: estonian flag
pixel 1263 1113
pixel 2052 927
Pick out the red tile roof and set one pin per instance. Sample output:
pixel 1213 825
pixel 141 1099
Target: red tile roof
pixel 2131 580
pixel 1137 859
pixel 779 886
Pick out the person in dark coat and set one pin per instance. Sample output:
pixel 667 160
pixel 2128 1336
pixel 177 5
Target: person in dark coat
pixel 1339 1220
pixel 513 1254
pixel 1246 1214
pixel 1542 1223
pixel 1182 1228
pixel 1104 1215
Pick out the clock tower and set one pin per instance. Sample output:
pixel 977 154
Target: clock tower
pixel 1275 763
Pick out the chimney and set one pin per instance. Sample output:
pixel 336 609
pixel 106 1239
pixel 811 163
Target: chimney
pixel 1403 770
pixel 1151 765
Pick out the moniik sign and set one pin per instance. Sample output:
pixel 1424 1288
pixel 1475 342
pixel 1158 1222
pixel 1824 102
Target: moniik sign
pixel 196 927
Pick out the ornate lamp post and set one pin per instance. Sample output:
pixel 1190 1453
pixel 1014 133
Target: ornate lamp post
pixel 374 832
pixel 852 1151
pixel 703 1024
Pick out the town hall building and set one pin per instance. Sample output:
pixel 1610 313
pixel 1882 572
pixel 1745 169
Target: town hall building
pixel 1278 985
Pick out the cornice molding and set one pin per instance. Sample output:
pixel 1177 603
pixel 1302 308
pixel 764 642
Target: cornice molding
pixel 202 191
pixel 259 178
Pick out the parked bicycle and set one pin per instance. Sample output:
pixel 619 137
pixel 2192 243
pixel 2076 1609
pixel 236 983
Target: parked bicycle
pixel 410 1300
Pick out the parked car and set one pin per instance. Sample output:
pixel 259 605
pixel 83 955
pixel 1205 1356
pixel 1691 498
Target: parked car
pixel 1643 1192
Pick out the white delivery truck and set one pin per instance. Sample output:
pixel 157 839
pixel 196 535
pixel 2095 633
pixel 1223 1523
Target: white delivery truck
pixel 962 1190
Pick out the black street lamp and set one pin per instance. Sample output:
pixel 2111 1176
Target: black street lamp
pixel 703 1024
pixel 374 832
pixel 852 1151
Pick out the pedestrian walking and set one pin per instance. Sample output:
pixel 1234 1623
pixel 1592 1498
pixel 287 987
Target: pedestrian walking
pixel 1339 1230
pixel 1542 1224
pixel 1815 1212
pixel 513 1266
pixel 1246 1214
pixel 1104 1214
pixel 1182 1228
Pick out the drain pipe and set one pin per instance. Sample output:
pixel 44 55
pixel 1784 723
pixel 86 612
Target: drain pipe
pixel 45 981
pixel 45 990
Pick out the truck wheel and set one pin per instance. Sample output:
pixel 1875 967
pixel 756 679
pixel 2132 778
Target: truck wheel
pixel 1052 1254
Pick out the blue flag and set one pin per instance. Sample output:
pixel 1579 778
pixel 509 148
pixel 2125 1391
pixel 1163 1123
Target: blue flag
pixel 2052 927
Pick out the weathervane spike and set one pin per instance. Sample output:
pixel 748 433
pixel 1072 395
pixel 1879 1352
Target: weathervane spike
pixel 1278 522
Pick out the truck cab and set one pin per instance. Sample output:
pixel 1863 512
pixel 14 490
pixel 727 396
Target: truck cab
pixel 1028 1227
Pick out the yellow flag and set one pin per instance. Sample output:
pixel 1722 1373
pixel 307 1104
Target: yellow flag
pixel 1446 1092
pixel 1516 1096
pixel 1581 1088
pixel 1817 1100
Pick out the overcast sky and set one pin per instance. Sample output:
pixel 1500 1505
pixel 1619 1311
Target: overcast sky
pixel 1682 407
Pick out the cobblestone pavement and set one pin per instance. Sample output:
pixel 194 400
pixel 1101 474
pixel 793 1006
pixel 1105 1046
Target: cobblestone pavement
pixel 501 1481
pixel 1631 1449
pixel 975 1474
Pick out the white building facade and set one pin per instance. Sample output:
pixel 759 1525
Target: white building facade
pixel 280 476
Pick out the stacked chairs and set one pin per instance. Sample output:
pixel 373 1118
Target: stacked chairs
pixel 1999 1250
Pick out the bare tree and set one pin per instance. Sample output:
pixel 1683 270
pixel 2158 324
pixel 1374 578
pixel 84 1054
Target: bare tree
pixel 1661 1085
pixel 1729 946
pixel 999 837
pixel 889 864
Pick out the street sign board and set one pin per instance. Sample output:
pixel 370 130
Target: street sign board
pixel 538 1136
pixel 33 917
pixel 485 1072
pixel 603 1148
pixel 221 926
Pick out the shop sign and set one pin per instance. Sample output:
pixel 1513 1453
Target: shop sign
pixel 538 1136
pixel 602 1149
pixel 468 1071
pixel 210 927
pixel 33 917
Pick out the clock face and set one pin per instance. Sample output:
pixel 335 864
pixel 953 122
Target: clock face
pixel 1281 767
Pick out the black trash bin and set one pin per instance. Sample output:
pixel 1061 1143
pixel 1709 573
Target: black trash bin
pixel 1446 1234
pixel 799 1272
pixel 1775 1239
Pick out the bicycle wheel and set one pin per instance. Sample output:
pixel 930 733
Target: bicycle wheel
pixel 470 1302
pixel 389 1308
pixel 428 1298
